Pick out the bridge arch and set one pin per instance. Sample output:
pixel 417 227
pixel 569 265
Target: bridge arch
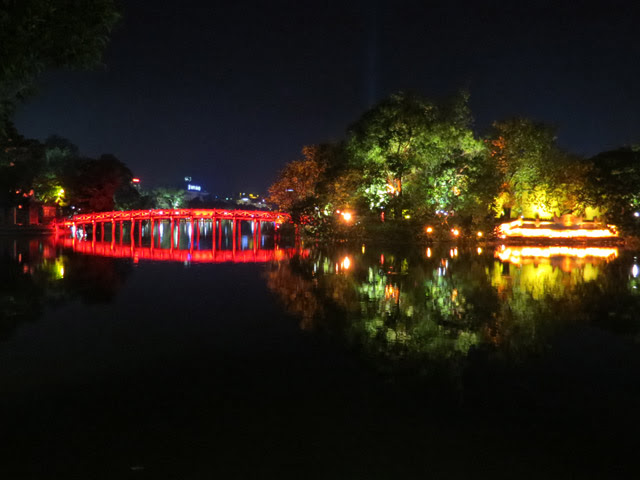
pixel 195 216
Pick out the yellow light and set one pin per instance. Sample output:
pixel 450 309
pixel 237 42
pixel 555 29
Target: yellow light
pixel 347 216
pixel 429 230
pixel 428 253
pixel 479 251
pixel 363 248
pixel 516 254
pixel 455 232
pixel 390 292
pixel 479 234
pixel 346 263
pixel 59 269
pixel 518 228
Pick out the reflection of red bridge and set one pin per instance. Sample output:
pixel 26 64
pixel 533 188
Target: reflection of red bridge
pixel 108 249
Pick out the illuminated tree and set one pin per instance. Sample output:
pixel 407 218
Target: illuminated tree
pixel 520 150
pixel 297 182
pixel 51 184
pixel 615 182
pixel 537 178
pixel 166 197
pixel 403 145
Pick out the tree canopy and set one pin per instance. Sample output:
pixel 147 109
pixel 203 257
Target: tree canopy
pixel 414 161
pixel 39 35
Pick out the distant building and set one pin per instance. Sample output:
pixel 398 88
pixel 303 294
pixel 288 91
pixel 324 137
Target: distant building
pixel 253 199
pixel 194 190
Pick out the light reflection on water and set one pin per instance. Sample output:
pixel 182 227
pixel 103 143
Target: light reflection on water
pixel 442 304
pixel 144 356
pixel 405 305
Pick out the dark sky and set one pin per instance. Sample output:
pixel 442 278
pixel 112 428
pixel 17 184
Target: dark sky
pixel 229 91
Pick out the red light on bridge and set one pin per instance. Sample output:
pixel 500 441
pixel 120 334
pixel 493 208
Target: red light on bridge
pixel 135 180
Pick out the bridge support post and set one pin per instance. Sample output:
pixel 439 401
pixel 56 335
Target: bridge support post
pixel 93 230
pixel 256 228
pixel 193 233
pixel 214 234
pixel 152 232
pixel 259 236
pixel 171 235
pixel 234 234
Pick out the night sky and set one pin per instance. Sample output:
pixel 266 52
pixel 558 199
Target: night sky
pixel 228 92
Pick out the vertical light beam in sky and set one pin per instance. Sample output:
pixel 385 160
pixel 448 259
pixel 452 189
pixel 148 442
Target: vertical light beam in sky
pixel 371 73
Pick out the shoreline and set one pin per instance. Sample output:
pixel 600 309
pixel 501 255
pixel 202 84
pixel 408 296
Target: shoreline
pixel 27 230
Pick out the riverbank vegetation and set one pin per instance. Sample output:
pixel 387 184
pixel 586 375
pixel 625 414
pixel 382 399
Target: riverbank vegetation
pixel 416 167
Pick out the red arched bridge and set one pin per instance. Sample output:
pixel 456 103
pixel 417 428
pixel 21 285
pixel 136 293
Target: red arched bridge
pixel 179 230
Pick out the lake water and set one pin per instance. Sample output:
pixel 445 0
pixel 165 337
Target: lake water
pixel 312 362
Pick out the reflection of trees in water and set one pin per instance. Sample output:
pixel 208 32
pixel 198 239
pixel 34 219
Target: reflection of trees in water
pixel 20 297
pixel 95 279
pixel 613 301
pixel 423 311
pixel 399 307
pixel 34 274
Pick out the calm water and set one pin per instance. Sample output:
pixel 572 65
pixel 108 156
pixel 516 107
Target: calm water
pixel 362 362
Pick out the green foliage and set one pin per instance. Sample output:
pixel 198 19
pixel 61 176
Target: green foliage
pixel 167 197
pixel 409 161
pixel 54 174
pixel 615 182
pixel 406 143
pixel 20 161
pixel 537 178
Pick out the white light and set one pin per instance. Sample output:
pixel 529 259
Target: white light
pixel 635 271
pixel 636 214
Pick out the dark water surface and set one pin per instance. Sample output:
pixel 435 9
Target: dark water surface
pixel 363 362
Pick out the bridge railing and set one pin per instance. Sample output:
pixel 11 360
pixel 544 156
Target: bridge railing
pixel 179 213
